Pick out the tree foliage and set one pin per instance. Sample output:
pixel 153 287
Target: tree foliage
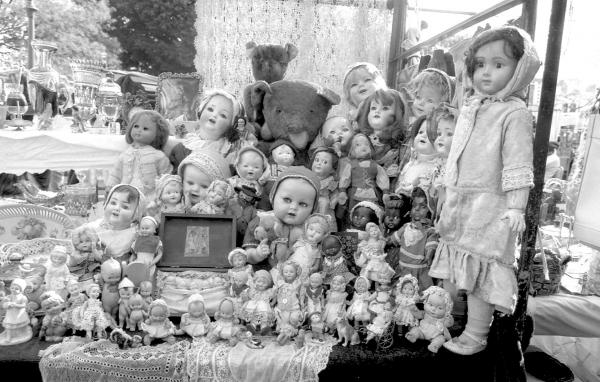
pixel 13 26
pixel 156 35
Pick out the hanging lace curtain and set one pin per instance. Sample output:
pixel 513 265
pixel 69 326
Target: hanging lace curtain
pixel 329 34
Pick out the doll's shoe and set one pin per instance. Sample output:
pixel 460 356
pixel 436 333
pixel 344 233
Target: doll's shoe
pixel 457 346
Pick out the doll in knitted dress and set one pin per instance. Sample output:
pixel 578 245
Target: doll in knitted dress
pixel 93 320
pixel 147 247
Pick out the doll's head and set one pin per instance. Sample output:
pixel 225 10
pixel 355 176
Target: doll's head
pixel 147 128
pixel 420 211
pixel 331 246
pixel 315 317
pixel 158 311
pixel 136 301
pixel 93 291
pixel 361 284
pixel 33 283
pixel 195 305
pixel 315 280
pixel 337 129
pixel 146 288
pixel 237 258
pixel 361 147
pixel 219 192
pixel 198 170
pixel 407 286
pixel 84 239
pixel 283 153
pixel 250 163
pixel 360 81
pixel 424 134
pixel 316 227
pixel 324 162
pixel 430 88
pixel 294 195
pixel 73 288
pixel 365 212
pixel 382 114
pixel 169 190
pixel 225 310
pixel 246 195
pixel 397 208
pixel 437 302
pixel 219 113
pixel 262 280
pixel 52 302
pixel 18 286
pixel 338 283
pixel 126 288
pixel 373 231
pixel 383 286
pixel 110 270
pixel 124 206
pixel 443 119
pixel 148 226
pixel 240 278
pixel 58 256
pixel 290 270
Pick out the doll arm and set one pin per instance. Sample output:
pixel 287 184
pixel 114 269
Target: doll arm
pixel 431 245
pixel 517 152
pixel 382 179
pixel 396 238
pixel 516 201
pixel 159 254
pixel 163 165
pixel 116 174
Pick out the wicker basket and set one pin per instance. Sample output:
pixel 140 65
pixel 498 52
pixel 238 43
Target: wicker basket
pixel 540 284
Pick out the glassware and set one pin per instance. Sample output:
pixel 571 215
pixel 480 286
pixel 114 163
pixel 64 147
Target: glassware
pixel 43 82
pixel 86 76
pixel 109 101
pixel 15 100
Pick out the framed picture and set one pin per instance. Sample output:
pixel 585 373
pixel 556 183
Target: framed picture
pixel 196 241
pixel 178 94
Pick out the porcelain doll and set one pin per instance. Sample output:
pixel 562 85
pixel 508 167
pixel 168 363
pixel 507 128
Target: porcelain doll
pixel 168 197
pixel 336 133
pixel 361 178
pixel 33 291
pixel 358 311
pixel 143 161
pixel 306 251
pixel 16 323
pixel 110 272
pixel 87 253
pixel 238 289
pixel 396 213
pixel 195 321
pixel 257 310
pixel 383 319
pixel 74 303
pixel 317 326
pixel 334 262
pixel 445 117
pixel 226 325
pixel 147 247
pixel 93 319
pixel 434 325
pixel 381 297
pixel 243 207
pixel 288 293
pixel 415 242
pixel 57 269
pixel 146 292
pixel 335 302
pixel 238 259
pixel 125 292
pixel 217 199
pixel 282 155
pixel 54 324
pixel 407 295
pixel 157 325
pixel 250 165
pixel 324 163
pixel 362 213
pixel 294 197
pixel 429 89
pixel 361 79
pixel 371 257
pixel 314 292
pixel 137 313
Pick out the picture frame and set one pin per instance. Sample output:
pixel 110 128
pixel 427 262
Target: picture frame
pixel 197 241
pixel 178 95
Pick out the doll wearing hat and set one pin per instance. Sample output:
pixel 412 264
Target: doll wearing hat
pixel 57 271
pixel 195 322
pixel 257 310
pixel 250 164
pixel 16 320
pixel 238 259
pixel 169 196
pixel 282 155
pixel 147 247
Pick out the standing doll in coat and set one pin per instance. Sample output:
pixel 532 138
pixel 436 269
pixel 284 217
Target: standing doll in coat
pixel 488 176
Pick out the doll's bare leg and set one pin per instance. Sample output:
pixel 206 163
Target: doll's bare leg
pixel 436 343
pixel 414 334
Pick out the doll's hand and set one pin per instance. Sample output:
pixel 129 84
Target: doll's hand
pixel 516 219
pixel 393 170
pixel 262 250
pixel 260 233
pixel 342 198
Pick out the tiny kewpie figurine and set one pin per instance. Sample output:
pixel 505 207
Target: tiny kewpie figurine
pixel 125 292
pixel 396 213
pixel 324 163
pixel 146 293
pixel 434 325
pixel 288 293
pixel 147 247
pixel 17 328
pixel 359 307
pixel 57 271
pixel 380 323
pixel 53 325
pixel 87 253
pixel 315 293
pixel 110 272
pixel 335 302
pixel 371 257
pixel 217 199
pixel 381 296
pixel 158 325
pixel 334 263
pixel 169 196
pixel 137 314
pixel 226 325
pixel 306 251
pixel 74 303
pixel 93 320
pixel 238 258
pixel 250 165
pixel 195 322
pixel 407 294
pixel 257 311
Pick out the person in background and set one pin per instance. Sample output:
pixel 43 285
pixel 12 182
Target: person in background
pixel 553 168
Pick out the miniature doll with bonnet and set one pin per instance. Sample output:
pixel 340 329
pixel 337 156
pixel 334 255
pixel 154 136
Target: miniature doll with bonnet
pixel 371 257
pixel 257 310
pixel 16 324
pixel 407 295
pixel 361 79
pixel 168 197
pixel 57 271
pixel 218 195
pixel 324 163
pixel 147 247
pixel 250 164
pixel 238 259
pixel 143 160
pixel 306 251
pixel 436 320
pixel 195 322
pixel 226 325
pixel 158 325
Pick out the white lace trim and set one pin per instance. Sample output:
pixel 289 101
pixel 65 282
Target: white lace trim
pixel 516 177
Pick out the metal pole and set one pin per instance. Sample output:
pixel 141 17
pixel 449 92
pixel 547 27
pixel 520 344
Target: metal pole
pixel 529 13
pixel 398 27
pixel 31 9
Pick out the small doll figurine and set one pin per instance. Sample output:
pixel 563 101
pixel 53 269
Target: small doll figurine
pixel 243 207
pixel 380 323
pixel 137 314
pixel 359 307
pixel 371 257
pixel 146 292
pixel 147 247
pixel 195 321
pixel 315 293
pixel 407 294
pixel 33 291
pixel 324 163
pixel 288 294
pixel 87 253
pixel 53 325
pixel 257 311
pixel 226 325
pixel 238 259
pixel 250 165
pixel 110 272
pixel 125 293
pixel 306 251
pixel 16 320
pixel 361 79
pixel 361 178
pixel 158 325
pixel 93 320
pixel 429 89
pixel 434 325
pixel 74 303
pixel 396 213
pixel 336 134
pixel 143 160
pixel 335 302
pixel 57 269
pixel 381 296
pixel 445 117
pixel 334 262
pixel 168 197
pixel 317 327
pixel 217 199
pixel 238 289
pixel 282 155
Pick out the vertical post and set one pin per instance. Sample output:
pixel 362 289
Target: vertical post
pixel 31 9
pixel 398 27
pixel 529 15
pixel 540 151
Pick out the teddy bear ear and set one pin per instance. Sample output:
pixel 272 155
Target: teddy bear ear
pixel 329 95
pixel 291 50
pixel 250 47
pixel 259 89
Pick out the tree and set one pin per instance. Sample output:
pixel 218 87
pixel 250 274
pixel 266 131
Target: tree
pixel 156 35
pixel 13 26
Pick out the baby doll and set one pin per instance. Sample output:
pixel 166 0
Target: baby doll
pixel 334 261
pixel 57 271
pixel 158 325
pixel 359 307
pixel 396 213
pixel 381 297
pixel 336 134
pixel 146 292
pixel 147 247
pixel 195 321
pixel 335 302
pixel 74 303
pixel 125 293
pixel 198 171
pixel 383 319
pixel 226 325
pixel 219 114
pixel 306 251
pixel 257 311
pixel 314 292
pixel 282 154
pixel 488 176
pixel 429 89
pixel 370 256
pixel 53 325
pixel 361 178
pixel 288 294
pixel 143 160
pixel 407 294
pixel 16 320
pixel 217 199
pixel 110 272
pixel 169 196
pixel 361 79
pixel 324 163
pixel 33 291
pixel 93 320
pixel 87 253
pixel 434 325
pixel 250 165
pixel 415 241
pixel 238 259
pixel 137 314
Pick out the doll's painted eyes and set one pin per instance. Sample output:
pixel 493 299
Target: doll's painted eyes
pixel 303 205
pixel 498 65
pixel 287 200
